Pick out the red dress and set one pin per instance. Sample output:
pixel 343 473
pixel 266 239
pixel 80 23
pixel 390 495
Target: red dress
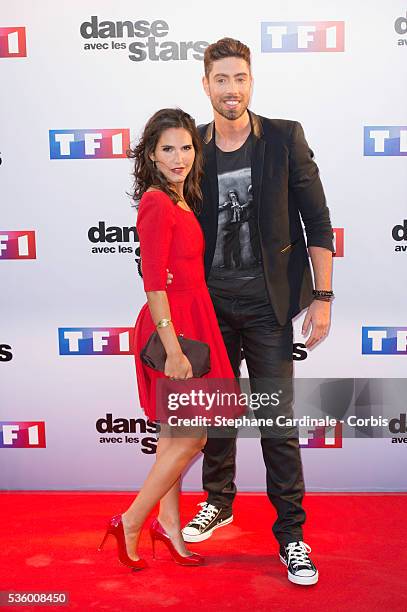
pixel 171 237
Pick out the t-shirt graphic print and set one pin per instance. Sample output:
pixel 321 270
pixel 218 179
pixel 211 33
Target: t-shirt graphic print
pixel 237 253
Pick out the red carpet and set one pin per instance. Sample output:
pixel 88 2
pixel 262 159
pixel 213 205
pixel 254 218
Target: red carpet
pixel 49 543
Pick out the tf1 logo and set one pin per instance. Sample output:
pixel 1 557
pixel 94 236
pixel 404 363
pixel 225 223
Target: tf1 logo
pixel 302 36
pixel 321 437
pixel 89 144
pixel 13 42
pixel 385 140
pixel 17 245
pixel 19 434
pixel 384 340
pixel 96 340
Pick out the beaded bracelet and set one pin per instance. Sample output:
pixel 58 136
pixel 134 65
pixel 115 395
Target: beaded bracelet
pixel 323 295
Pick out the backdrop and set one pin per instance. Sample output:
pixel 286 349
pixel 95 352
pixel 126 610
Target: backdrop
pixel 78 80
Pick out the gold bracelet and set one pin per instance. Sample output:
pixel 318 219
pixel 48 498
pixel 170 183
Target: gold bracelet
pixel 163 323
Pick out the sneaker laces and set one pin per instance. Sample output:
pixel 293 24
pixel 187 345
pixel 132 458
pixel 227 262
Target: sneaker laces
pixel 204 516
pixel 297 553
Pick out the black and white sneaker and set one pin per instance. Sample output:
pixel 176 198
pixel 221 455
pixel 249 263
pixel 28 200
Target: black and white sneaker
pixel 204 523
pixel 301 569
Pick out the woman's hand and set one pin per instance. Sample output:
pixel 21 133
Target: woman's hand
pixel 178 367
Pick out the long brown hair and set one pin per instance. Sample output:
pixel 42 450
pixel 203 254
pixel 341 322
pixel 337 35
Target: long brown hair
pixel 147 175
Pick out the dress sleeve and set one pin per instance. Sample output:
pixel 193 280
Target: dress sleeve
pixel 155 223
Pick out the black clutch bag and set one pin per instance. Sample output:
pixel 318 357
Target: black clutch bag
pixel 198 353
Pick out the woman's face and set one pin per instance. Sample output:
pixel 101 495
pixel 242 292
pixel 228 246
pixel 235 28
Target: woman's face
pixel 174 154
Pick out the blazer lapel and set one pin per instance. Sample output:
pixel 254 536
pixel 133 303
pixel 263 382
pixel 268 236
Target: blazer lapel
pixel 259 145
pixel 257 170
pixel 211 175
pixel 209 215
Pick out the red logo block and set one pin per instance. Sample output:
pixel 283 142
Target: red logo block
pixel 338 241
pixel 13 42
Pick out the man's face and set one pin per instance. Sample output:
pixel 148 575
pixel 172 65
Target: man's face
pixel 229 86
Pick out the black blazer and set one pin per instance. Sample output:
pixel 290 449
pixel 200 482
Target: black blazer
pixel 286 184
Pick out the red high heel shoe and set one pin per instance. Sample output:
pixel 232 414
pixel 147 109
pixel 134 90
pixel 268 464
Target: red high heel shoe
pixel 157 532
pixel 115 528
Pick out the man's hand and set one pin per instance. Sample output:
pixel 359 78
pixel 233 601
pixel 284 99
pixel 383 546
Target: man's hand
pixel 319 317
pixel 169 277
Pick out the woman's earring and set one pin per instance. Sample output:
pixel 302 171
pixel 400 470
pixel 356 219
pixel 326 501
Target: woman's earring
pixel 154 163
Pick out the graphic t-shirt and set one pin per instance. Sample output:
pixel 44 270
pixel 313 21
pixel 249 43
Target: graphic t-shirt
pixel 237 258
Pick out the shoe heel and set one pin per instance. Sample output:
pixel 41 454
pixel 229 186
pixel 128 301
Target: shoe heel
pixel 103 541
pixel 158 533
pixel 115 528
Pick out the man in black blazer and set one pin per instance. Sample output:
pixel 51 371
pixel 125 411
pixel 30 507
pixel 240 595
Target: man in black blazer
pixel 260 180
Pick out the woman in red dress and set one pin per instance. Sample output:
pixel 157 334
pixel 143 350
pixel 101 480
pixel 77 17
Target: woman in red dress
pixel 168 169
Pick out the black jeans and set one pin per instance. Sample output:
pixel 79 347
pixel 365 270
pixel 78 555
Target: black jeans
pixel 249 323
